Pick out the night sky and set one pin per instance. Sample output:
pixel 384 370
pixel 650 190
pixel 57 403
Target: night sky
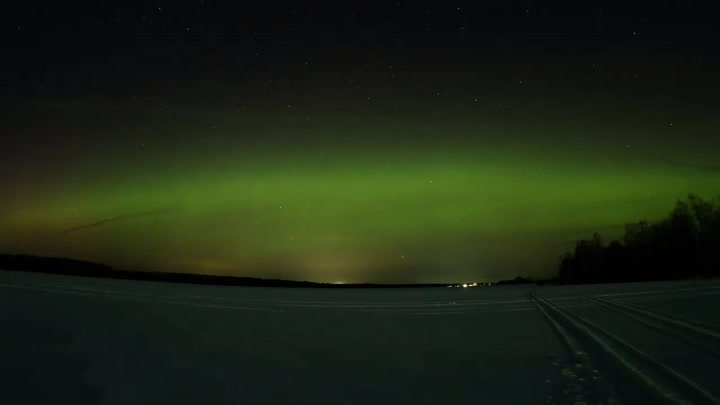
pixel 350 142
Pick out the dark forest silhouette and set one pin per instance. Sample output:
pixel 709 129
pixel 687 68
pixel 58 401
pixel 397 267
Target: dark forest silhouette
pixel 684 244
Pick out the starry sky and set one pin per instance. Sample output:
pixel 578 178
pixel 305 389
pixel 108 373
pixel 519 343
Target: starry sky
pixel 396 141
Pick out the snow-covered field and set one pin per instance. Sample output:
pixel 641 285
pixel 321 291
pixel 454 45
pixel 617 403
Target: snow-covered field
pixel 90 341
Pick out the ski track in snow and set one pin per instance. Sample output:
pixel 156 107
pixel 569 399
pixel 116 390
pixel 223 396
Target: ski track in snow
pixel 660 380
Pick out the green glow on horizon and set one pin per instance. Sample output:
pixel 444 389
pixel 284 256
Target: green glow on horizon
pixel 401 215
pixel 283 147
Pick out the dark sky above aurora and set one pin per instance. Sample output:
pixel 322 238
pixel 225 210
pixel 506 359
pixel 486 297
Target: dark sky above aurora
pixel 347 142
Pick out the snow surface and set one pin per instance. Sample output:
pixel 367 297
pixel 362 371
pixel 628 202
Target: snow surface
pixel 96 341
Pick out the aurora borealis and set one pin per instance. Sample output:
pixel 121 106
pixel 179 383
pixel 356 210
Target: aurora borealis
pixel 350 146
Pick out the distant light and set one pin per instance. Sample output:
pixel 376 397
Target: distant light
pixel 465 285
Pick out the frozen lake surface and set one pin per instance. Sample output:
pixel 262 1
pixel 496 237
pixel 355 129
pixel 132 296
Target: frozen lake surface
pixel 96 341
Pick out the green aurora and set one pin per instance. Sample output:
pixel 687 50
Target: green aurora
pixel 344 142
pixel 414 209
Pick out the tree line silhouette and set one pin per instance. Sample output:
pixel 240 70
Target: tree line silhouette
pixel 684 244
pixel 72 267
